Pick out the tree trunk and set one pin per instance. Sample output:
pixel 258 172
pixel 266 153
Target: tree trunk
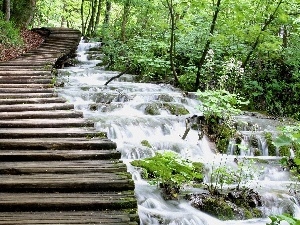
pixel 264 27
pixel 6 9
pixel 107 13
pixel 126 11
pixel 207 45
pixel 92 18
pixel 98 16
pixel 82 18
pixel 172 40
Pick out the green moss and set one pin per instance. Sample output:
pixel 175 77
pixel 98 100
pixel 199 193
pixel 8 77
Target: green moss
pixel 85 88
pixel 175 109
pixel 152 109
pixel 97 135
pixel 146 143
pixel 169 171
pixel 271 146
pixel 284 151
pixel 165 98
pixel 218 207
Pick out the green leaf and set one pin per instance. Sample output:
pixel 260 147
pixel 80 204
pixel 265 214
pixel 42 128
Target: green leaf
pixel 282 140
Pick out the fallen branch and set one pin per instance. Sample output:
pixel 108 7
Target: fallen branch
pixel 119 75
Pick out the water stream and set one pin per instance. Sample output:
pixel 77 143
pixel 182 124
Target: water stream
pixel 120 110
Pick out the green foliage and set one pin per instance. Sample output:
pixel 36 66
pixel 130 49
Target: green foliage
pixel 218 107
pixel 269 79
pixel 146 143
pixel 168 168
pixel 224 175
pixel 9 34
pixel 271 146
pixel 279 219
pixel 289 141
pixel 220 103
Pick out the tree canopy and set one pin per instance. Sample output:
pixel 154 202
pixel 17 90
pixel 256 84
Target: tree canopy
pixel 248 47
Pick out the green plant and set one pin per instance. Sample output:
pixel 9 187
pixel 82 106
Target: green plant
pixel 167 169
pixel 224 174
pixel 220 103
pixel 280 219
pixel 146 143
pixel 289 143
pixel 219 107
pixel 9 35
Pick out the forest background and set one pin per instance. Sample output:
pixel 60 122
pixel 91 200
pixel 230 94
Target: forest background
pixel 247 47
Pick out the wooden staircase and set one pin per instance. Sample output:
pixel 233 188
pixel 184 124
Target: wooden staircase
pixel 54 167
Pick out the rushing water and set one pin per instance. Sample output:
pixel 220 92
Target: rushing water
pixel 119 109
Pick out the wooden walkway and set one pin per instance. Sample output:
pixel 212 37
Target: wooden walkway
pixel 54 167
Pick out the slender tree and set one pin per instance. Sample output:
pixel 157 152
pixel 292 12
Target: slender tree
pixel 208 42
pixel 171 8
pixel 6 9
pixel 264 27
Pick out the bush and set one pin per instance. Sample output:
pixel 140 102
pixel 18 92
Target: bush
pixel 9 35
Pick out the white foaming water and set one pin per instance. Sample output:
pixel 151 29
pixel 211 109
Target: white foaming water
pixel 120 110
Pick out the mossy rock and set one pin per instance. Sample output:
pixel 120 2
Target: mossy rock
pixel 254 141
pixel 271 146
pixel 146 143
pixel 222 208
pixel 152 109
pixel 175 109
pixel 165 98
pixel 284 151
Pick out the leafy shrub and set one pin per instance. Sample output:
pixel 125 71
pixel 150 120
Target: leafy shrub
pixel 218 107
pixel 289 143
pixel 280 219
pixel 167 169
pixel 9 35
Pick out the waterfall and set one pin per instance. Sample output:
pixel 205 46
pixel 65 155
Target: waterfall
pixel 131 113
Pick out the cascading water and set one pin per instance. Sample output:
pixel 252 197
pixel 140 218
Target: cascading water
pixel 128 112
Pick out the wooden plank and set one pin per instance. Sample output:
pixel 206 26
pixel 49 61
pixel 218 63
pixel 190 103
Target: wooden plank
pixel 24 73
pixel 41 114
pixel 26 90
pixel 59 155
pixel 66 167
pixel 65 183
pixel 37 86
pixel 20 80
pixel 69 217
pixel 49 132
pixel 31 101
pixel 67 201
pixel 32 95
pixel 36 107
pixel 56 144
pixel 46 123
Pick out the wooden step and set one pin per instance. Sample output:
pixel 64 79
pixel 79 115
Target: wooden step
pixel 46 123
pixel 25 80
pixel 62 167
pixel 71 201
pixel 57 143
pixel 60 155
pixel 65 183
pixel 24 73
pixel 26 90
pixel 22 95
pixel 69 217
pixel 50 132
pixel 36 107
pixel 40 114
pixel 31 100
pixel 32 86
